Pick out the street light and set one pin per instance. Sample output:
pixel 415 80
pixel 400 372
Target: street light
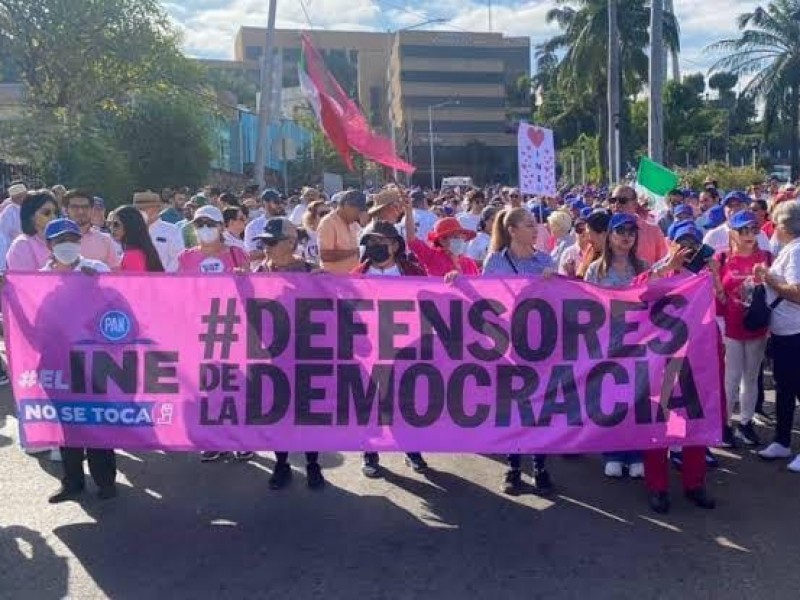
pixel 430 134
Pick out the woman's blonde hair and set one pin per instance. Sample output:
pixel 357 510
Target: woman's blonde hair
pixel 311 211
pixel 506 218
pixel 560 220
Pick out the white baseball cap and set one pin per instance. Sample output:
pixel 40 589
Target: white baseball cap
pixel 209 212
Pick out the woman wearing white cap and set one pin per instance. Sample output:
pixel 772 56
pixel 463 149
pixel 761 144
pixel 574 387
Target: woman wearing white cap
pixel 211 255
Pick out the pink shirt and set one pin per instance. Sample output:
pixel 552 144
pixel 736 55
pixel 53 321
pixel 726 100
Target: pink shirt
pixel 133 260
pixel 194 260
pixel 97 245
pixel 652 245
pixel 438 264
pixel 27 253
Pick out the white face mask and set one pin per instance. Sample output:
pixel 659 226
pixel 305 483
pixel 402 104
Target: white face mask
pixel 207 235
pixel 67 252
pixel 458 246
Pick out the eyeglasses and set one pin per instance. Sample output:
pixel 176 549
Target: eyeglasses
pixel 623 231
pixel 618 200
pixel 748 230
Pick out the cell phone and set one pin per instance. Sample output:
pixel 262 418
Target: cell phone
pixel 699 259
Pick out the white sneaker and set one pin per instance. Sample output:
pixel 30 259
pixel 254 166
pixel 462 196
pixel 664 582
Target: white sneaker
pixel 795 464
pixel 55 455
pixel 35 451
pixel 636 470
pixel 613 468
pixel 775 450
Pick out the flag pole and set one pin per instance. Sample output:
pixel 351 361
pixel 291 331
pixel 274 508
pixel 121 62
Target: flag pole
pixel 266 96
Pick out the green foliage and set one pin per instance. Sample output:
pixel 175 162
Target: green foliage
pixel 729 178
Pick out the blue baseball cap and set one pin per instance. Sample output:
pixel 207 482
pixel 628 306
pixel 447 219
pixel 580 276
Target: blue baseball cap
pixel 586 211
pixel 713 217
pixel 55 229
pixel 678 230
pixel 735 195
pixel 539 211
pixel 743 218
pixel 576 203
pixel 683 210
pixel 622 220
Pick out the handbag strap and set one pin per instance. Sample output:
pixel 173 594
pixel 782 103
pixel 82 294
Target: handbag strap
pixel 510 262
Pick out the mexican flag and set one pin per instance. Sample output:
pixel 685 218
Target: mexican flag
pixel 330 115
pixel 655 181
pixel 339 116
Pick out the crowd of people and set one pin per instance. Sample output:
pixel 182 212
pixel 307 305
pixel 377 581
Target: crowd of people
pixel 748 241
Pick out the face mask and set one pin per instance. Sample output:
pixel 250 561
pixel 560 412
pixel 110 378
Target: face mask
pixel 377 254
pixel 458 246
pixel 67 253
pixel 207 235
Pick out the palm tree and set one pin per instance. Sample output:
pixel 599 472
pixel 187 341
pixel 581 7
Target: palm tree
pixel 581 72
pixel 768 49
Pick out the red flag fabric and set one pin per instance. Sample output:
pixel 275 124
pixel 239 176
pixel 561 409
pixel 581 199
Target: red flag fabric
pixel 342 109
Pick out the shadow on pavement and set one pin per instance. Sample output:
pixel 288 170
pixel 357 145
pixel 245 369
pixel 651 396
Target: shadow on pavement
pixel 29 566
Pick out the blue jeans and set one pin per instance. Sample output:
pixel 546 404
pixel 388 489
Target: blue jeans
pixel 626 458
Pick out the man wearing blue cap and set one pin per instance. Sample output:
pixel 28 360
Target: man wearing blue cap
pixel 63 238
pixel 719 237
pixel 674 199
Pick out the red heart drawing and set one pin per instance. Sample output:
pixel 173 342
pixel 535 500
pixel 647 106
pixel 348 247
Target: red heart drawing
pixel 536 136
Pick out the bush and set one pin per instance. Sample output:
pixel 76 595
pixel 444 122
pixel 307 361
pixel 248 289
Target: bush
pixel 728 178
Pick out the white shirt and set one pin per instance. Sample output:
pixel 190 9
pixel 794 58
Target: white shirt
pixel 254 228
pixel 719 239
pixel 83 263
pixel 3 251
pixel 571 255
pixel 424 220
pixel 393 271
pixel 469 221
pixel 297 214
pixel 10 224
pixel 478 248
pixel 310 249
pixel 231 240
pixel 168 242
pixel 785 319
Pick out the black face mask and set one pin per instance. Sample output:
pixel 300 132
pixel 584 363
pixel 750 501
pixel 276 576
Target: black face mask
pixel 377 254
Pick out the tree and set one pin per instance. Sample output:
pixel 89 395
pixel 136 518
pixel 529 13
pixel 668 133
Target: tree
pixel 79 55
pixel 769 50
pixel 583 47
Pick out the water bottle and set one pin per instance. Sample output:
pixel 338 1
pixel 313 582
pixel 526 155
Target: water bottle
pixel 748 286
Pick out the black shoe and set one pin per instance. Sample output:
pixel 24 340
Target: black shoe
pixel 314 478
pixel 107 492
pixel 281 476
pixel 371 468
pixel 728 439
pixel 659 502
pixel 764 419
pixel 416 462
pixel 512 485
pixel 210 456
pixel 676 458
pixel 243 456
pixel 747 433
pixel 542 481
pixel 700 497
pixel 65 493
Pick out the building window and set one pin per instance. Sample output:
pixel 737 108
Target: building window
pixel 451 77
pixel 462 127
pixel 253 52
pixel 463 101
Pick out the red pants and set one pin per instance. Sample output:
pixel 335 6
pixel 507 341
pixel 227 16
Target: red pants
pixel 656 468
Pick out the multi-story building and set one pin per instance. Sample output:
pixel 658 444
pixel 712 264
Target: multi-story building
pixel 398 77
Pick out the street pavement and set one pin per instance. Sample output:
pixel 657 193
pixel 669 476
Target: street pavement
pixel 182 529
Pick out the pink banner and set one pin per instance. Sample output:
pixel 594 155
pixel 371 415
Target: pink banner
pixel 301 362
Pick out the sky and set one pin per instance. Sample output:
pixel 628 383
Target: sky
pixel 209 26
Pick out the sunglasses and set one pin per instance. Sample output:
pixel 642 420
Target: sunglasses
pixel 205 223
pixel 513 195
pixel 623 231
pixel 618 200
pixel 749 230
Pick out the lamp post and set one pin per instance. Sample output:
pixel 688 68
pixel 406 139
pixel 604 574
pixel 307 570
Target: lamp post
pixel 430 134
